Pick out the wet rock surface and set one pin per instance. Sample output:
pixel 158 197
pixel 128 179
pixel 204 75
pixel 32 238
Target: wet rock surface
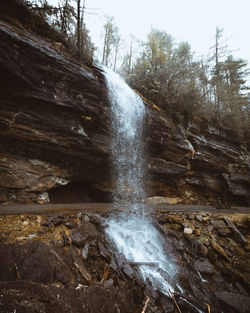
pixel 204 267
pixel 43 273
pixel 214 265
pixel 44 270
pixel 55 132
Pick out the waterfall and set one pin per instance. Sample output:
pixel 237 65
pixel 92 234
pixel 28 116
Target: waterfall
pixel 126 141
pixel 132 231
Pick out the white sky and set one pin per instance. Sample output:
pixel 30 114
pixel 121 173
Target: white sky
pixel 194 21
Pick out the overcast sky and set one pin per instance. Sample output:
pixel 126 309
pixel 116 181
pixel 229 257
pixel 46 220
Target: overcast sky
pixel 194 21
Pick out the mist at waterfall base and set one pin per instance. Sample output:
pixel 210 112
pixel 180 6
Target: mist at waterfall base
pixel 132 231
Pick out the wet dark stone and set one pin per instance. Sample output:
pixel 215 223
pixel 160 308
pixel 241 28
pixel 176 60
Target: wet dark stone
pixel 85 251
pixel 46 224
pixel 154 294
pixel 31 297
pixel 239 302
pixel 66 240
pixel 223 231
pixel 186 306
pixel 93 250
pixel 184 280
pixel 70 224
pixel 104 252
pixel 95 219
pixel 34 261
pixel 196 289
pixel 203 250
pixel 165 275
pixel 163 167
pixel 212 256
pixel 204 267
pixel 108 284
pixel 8 266
pixel 199 218
pixel 78 239
pixel 186 258
pixel 86 232
pixel 136 296
pixel 166 303
pixel 210 228
pixel 57 221
pixel 57 243
pixel 241 289
pixel 113 265
pixel 120 259
pixel 237 234
pixel 128 270
pixel 221 227
pixel 190 216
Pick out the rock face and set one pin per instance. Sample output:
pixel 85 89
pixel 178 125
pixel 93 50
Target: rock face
pixel 53 126
pixel 42 272
pixel 55 134
pixel 195 158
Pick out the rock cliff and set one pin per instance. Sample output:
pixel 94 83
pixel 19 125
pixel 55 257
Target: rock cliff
pixel 55 134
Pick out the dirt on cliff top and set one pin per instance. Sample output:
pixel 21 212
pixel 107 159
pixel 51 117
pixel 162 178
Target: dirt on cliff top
pixel 17 13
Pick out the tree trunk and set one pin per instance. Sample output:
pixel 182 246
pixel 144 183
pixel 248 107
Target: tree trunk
pixel 116 52
pixel 78 25
pixel 104 46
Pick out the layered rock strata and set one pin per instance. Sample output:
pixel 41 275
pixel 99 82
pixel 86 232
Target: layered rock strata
pixel 55 134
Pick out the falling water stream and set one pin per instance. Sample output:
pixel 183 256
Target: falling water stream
pixel 132 231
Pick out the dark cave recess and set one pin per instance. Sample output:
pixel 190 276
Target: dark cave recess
pixel 78 192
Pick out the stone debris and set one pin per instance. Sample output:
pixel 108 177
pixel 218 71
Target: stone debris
pixel 188 231
pixel 239 302
pixel 81 261
pixel 162 200
pixel 197 232
pixel 237 234
pixel 58 220
pixel 199 218
pixel 204 267
pixel 220 250
pixel 85 251
pixel 82 269
pixel 108 284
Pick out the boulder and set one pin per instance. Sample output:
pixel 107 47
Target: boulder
pixel 86 232
pixel 204 267
pixel 239 302
pixel 162 200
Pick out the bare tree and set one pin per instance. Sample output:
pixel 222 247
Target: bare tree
pixel 220 51
pixel 117 45
pixel 110 39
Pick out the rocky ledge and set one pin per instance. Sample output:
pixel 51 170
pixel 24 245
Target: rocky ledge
pixel 68 264
pixel 55 132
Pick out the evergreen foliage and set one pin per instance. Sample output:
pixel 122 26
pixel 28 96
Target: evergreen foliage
pixel 69 23
pixel 164 72
pixel 169 75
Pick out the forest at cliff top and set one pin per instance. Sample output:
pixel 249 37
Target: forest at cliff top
pixel 165 72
